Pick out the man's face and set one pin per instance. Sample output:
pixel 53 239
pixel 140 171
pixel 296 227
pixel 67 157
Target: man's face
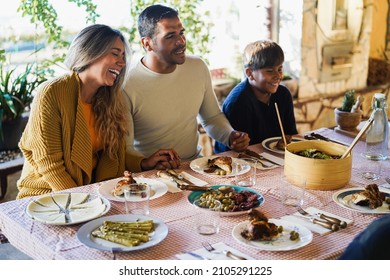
pixel 169 43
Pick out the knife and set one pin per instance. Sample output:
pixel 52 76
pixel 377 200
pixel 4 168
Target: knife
pixel 334 220
pixel 233 256
pixel 256 155
pixel 321 137
pixel 191 187
pixel 195 255
pixel 325 224
pixel 179 177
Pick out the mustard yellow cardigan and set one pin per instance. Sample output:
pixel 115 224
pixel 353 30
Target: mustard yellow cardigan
pixel 57 146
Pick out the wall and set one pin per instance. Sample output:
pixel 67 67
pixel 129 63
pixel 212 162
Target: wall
pixel 378 34
pixel 317 99
pixel 314 38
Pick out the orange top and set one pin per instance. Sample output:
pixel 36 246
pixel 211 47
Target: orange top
pixel 95 140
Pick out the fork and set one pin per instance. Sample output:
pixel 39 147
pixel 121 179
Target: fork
pixel 341 224
pixel 229 254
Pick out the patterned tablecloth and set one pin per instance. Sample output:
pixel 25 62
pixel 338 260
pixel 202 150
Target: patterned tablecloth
pixel 60 242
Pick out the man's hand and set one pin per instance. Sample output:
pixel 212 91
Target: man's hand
pixel 239 141
pixel 162 159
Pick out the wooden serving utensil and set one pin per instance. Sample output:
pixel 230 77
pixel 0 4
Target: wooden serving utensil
pixel 357 138
pixel 281 125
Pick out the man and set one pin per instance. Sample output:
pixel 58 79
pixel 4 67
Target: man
pixel 169 91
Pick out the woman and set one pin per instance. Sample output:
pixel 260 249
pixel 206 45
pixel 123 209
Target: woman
pixel 76 131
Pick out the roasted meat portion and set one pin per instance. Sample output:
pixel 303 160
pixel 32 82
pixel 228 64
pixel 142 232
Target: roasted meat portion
pixel 370 197
pixel 123 184
pixel 259 228
pixel 224 163
pixel 280 144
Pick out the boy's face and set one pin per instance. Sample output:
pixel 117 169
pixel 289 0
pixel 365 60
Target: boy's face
pixel 266 80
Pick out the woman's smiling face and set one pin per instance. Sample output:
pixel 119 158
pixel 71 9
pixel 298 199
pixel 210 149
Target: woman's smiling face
pixel 106 69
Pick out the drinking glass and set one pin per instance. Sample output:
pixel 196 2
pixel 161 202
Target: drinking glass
pixel 372 167
pixel 292 189
pixel 249 179
pixel 207 220
pixel 137 198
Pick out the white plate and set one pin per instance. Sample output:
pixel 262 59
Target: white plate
pixel 270 144
pixel 343 198
pixel 157 188
pixel 67 208
pixel 282 243
pixel 239 166
pixel 85 237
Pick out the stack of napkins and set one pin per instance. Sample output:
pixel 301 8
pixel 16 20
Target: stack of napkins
pixel 172 186
pixel 206 255
pixel 298 218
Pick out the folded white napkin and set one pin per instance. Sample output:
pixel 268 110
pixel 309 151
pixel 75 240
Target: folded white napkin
pixel 276 159
pixel 295 218
pixel 219 255
pixel 172 186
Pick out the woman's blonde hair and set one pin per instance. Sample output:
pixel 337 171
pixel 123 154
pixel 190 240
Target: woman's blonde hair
pixel 108 103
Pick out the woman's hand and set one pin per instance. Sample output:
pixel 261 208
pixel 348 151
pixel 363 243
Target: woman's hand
pixel 162 159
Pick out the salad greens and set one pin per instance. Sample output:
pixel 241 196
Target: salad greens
pixel 314 153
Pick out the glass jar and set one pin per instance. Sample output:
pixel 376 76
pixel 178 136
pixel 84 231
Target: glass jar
pixel 377 136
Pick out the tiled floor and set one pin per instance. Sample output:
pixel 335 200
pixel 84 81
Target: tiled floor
pixel 7 251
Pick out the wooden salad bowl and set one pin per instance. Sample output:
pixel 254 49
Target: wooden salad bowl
pixel 320 174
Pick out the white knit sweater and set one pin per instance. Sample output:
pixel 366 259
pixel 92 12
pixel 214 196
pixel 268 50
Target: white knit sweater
pixel 165 107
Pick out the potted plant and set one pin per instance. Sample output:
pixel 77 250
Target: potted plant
pixel 16 95
pixel 291 83
pixel 349 115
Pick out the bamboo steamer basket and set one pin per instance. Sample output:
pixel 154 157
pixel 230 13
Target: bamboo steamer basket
pixel 320 174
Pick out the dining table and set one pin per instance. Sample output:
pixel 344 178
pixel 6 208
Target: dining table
pixel 48 242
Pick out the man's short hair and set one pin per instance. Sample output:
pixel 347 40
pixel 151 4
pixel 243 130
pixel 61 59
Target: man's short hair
pixel 148 19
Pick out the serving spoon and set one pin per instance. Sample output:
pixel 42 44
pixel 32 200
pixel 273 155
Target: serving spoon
pixel 357 138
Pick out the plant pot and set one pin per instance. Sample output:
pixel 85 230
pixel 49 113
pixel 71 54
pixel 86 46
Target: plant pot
pixel 292 85
pixel 12 132
pixel 347 120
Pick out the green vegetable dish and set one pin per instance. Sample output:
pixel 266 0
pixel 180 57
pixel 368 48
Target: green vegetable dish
pixel 314 153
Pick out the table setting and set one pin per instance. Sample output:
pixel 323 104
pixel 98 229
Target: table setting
pixel 172 210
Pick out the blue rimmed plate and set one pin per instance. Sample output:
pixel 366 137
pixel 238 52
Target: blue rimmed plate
pixel 270 144
pixel 260 198
pixel 344 199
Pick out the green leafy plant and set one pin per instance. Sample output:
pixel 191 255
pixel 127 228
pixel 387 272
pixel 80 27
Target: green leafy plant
pixel 348 101
pixel 16 90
